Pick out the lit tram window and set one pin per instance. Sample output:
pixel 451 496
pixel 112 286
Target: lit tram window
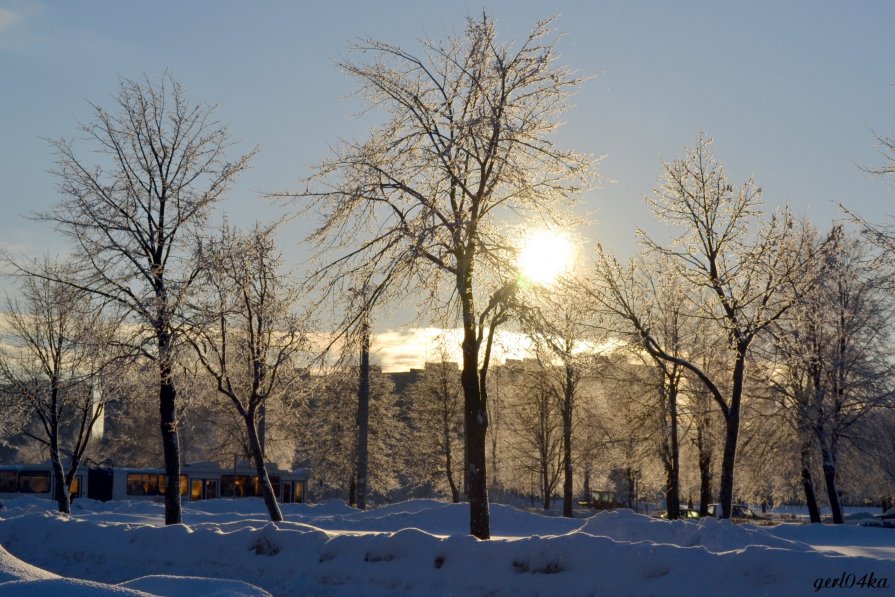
pixel 152 484
pixel 74 489
pixel 203 489
pixel 184 484
pixel 236 485
pixel 34 482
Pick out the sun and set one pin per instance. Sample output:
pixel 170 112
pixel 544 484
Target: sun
pixel 545 255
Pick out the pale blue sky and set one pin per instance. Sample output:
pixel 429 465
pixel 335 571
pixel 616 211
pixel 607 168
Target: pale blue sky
pixel 789 90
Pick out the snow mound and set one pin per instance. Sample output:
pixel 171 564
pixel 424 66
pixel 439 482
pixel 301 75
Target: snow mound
pixel 716 536
pixel 507 521
pixel 419 547
pixel 12 569
pixel 191 586
pixel 440 518
pixel 67 587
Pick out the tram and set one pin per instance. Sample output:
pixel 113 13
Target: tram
pixel 198 481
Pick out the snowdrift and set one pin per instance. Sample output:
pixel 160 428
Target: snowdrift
pixel 420 547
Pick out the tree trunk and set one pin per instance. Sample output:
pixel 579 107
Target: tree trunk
pixel 352 490
pixel 363 415
pixel 731 435
pixel 673 464
pixel 170 443
pixel 829 468
pixel 270 500
pixel 61 489
pixel 587 481
pixel 61 492
pixel 476 422
pixel 568 400
pixel 493 407
pixel 465 457
pixel 475 414
pixel 672 493
pixel 448 459
pixel 705 482
pixel 476 425
pixel 705 465
pixel 808 485
pixel 544 447
pixel 725 494
pixel 262 428
pixel 455 491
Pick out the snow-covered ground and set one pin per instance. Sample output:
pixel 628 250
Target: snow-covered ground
pixel 420 547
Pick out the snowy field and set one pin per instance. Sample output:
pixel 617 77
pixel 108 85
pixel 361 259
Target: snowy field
pixel 420 547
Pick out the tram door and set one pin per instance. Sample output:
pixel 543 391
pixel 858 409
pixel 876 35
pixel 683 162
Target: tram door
pixel 203 489
pixel 99 484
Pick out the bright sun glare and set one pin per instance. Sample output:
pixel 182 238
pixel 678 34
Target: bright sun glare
pixel 545 255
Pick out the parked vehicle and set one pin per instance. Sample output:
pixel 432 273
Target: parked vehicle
pixel 601 500
pixel 686 513
pixel 739 513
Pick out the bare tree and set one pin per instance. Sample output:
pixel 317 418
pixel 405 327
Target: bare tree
pixel 328 441
pixel 160 166
pixel 879 435
pixel 668 392
pixel 883 235
pixel 55 347
pixel 669 328
pixel 247 335
pixel 589 426
pixel 328 438
pixel 832 352
pixel 633 429
pixel 363 411
pixel 437 414
pixel 662 381
pixel 887 149
pixel 420 203
pixel 130 419
pixel 562 328
pixel 748 271
pixel 795 379
pixel 706 346
pixel 497 397
pixel 702 434
pixel 536 421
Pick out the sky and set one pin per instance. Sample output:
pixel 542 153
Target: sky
pixel 791 92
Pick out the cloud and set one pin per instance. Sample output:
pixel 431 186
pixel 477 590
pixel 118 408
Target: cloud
pixel 412 348
pixel 13 16
pixel 9 19
pixel 402 350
